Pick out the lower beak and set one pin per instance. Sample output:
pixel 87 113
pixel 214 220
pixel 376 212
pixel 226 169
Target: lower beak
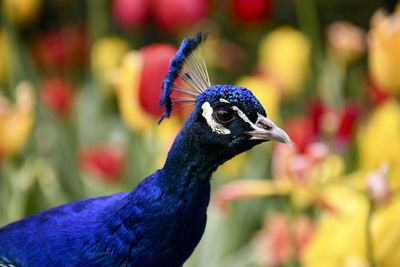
pixel 265 129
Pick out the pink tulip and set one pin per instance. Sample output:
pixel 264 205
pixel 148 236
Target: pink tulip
pixel 281 240
pixel 130 13
pixel 175 15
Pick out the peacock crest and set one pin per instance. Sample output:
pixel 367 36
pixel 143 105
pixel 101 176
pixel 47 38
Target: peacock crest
pixel 189 65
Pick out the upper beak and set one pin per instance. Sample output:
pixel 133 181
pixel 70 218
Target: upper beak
pixel 265 129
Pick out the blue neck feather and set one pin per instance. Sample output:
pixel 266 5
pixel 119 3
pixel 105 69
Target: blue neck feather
pixel 171 203
pixel 187 160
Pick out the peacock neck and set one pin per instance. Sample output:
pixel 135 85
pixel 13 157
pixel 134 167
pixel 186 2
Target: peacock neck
pixel 186 163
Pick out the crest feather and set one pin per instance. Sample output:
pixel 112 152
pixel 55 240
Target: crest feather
pixel 190 66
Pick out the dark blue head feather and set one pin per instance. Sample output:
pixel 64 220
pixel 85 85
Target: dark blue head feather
pixel 188 46
pixel 236 96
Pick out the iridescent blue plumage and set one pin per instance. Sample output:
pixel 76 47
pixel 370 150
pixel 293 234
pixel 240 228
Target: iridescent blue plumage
pixel 160 222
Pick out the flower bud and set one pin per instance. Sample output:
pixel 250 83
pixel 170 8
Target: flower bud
pixel 346 41
pixel 377 185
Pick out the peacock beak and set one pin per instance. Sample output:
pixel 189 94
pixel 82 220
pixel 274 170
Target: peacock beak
pixel 265 129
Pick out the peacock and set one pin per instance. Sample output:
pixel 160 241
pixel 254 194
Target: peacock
pixel 160 222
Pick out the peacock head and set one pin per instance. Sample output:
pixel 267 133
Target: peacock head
pixel 226 119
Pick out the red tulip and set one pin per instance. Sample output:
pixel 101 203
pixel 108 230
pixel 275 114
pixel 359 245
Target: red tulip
pixel 375 93
pixel 339 124
pixel 250 11
pixel 58 94
pixel 300 129
pixel 105 162
pixel 155 64
pixel 174 15
pixel 347 124
pixel 61 49
pixel 130 13
pixel 316 110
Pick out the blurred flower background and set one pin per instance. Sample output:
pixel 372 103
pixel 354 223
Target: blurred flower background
pixel 79 89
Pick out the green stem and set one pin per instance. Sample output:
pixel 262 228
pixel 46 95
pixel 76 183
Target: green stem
pixel 98 18
pixel 18 61
pixel 370 246
pixel 307 17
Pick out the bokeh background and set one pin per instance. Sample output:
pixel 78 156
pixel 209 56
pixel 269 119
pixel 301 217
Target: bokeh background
pixel 79 87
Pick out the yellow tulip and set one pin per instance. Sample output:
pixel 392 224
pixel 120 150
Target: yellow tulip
pixel 384 52
pixel 22 11
pixel 341 238
pixel 106 55
pixel 379 141
pixel 128 99
pixel 386 234
pixel 284 55
pixel 16 122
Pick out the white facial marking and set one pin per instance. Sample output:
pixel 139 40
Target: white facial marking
pixel 243 116
pixel 223 100
pixel 215 126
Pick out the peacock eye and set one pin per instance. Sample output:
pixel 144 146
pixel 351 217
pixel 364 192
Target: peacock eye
pixel 223 115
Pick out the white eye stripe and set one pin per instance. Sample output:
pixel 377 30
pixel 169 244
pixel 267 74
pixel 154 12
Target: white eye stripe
pixel 246 119
pixel 215 126
pixel 243 116
pixel 223 100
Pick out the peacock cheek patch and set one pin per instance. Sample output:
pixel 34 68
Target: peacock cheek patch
pixel 215 126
